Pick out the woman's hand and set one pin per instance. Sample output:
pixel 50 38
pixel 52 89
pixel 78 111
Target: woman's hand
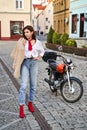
pixel 37 58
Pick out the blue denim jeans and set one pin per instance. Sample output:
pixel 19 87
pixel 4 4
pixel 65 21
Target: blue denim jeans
pixel 29 71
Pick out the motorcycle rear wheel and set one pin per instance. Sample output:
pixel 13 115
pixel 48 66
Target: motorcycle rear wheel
pixel 76 91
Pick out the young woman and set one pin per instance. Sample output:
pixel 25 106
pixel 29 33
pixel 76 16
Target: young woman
pixel 26 55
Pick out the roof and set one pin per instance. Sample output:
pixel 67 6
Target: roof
pixel 38 6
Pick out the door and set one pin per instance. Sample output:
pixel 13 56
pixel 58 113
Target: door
pixel 0 29
pixel 81 25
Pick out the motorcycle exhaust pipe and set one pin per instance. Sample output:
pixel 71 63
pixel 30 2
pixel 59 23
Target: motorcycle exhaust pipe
pixel 48 81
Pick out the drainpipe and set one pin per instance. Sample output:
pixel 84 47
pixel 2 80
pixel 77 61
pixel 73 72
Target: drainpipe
pixel 31 12
pixel 64 14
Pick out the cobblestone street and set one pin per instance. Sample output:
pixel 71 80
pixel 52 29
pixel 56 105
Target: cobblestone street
pixel 59 114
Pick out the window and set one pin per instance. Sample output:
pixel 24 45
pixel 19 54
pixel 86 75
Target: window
pixel 74 23
pixel 16 4
pixel 19 4
pixel 46 27
pixel 46 19
pixel 49 11
pixel 16 27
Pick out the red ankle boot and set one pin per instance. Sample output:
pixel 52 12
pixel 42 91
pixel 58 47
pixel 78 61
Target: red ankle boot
pixel 30 107
pixel 21 111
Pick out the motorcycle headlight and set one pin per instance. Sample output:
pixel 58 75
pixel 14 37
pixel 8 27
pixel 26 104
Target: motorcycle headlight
pixel 69 61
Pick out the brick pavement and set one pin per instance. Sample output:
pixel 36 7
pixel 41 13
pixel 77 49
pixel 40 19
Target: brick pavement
pixel 58 113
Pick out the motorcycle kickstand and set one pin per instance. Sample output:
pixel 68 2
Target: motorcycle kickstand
pixel 56 93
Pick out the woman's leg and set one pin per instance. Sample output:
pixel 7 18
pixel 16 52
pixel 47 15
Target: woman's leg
pixel 23 83
pixel 33 82
pixel 33 79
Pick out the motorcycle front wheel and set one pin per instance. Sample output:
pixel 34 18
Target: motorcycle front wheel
pixel 74 93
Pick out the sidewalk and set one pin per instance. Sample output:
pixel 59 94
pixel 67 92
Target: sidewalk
pixel 9 108
pixel 59 114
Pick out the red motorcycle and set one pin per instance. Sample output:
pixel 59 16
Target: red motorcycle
pixel 59 74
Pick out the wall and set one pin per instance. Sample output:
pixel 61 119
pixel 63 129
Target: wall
pixel 78 7
pixel 61 16
pixel 42 22
pixel 5 22
pixel 8 12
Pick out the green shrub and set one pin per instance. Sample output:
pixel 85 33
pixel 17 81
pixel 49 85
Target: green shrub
pixel 50 35
pixel 84 46
pixel 64 37
pixel 56 38
pixel 71 42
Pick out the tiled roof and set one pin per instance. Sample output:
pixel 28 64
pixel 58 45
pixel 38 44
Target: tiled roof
pixel 39 6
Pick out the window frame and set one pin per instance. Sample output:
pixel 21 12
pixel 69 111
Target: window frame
pixel 74 23
pixel 19 4
pixel 14 23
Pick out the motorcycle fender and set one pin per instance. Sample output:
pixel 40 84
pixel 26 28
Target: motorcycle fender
pixel 74 78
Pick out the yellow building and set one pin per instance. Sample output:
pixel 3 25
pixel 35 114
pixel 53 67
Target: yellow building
pixel 61 16
pixel 14 15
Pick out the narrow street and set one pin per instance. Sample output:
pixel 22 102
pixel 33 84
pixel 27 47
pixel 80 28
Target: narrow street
pixel 58 114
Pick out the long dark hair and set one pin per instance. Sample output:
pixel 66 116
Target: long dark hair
pixel 30 28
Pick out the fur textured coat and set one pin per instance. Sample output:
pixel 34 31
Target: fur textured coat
pixel 18 56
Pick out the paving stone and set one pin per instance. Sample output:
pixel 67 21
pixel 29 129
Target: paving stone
pixel 58 113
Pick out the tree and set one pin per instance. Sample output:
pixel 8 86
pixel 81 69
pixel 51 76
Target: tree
pixel 50 35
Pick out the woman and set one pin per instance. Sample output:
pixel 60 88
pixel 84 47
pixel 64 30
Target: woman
pixel 26 55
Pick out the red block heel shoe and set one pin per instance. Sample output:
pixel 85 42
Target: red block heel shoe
pixel 30 107
pixel 21 111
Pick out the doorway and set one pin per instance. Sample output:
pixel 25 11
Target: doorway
pixel 16 28
pixel 0 30
pixel 81 25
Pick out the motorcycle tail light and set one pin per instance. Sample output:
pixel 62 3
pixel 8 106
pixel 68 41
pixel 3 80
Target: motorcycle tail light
pixel 60 68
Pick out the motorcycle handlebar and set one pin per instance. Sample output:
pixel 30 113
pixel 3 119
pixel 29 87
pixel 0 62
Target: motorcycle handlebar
pixel 61 57
pixel 64 60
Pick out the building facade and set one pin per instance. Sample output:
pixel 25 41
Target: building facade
pixel 45 19
pixel 36 11
pixel 61 16
pixel 14 15
pixel 78 18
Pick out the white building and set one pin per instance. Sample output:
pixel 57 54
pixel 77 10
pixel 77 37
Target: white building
pixel 14 15
pixel 45 19
pixel 78 18
pixel 36 10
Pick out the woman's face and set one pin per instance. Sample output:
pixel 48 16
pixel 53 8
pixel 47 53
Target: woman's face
pixel 28 33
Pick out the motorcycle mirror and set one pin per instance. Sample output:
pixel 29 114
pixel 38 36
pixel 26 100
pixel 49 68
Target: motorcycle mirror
pixel 60 48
